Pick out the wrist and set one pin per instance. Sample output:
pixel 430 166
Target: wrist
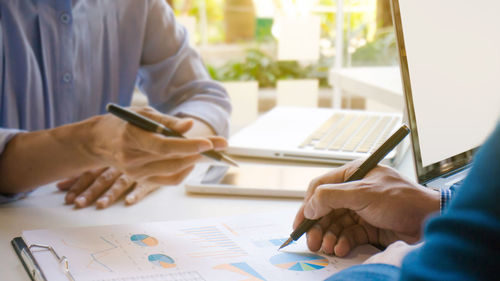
pixel 433 201
pixel 78 139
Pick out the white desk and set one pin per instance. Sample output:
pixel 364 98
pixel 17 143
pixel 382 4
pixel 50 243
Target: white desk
pixel 44 209
pixel 381 84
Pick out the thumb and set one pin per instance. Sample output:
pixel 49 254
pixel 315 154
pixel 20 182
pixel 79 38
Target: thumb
pixel 329 197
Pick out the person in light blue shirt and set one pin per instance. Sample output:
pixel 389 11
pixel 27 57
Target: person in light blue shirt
pixel 62 61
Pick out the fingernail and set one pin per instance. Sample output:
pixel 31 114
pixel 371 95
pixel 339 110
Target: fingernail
pixel 81 201
pixel 102 202
pixel 130 199
pixel 204 147
pixel 70 197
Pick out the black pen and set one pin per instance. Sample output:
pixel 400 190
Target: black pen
pixel 155 127
pixel 370 163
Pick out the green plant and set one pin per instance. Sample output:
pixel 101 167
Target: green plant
pixel 262 68
pixel 382 50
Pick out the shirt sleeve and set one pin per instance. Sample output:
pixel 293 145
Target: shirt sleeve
pixel 447 194
pixel 173 76
pixel 5 136
pixel 462 243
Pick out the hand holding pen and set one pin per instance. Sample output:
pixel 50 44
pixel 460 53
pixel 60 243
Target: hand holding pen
pixel 334 200
pixel 134 161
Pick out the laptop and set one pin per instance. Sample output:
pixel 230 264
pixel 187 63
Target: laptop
pixel 315 134
pixel 450 67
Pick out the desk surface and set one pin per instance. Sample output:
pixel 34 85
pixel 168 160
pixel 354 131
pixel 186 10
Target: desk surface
pixel 44 209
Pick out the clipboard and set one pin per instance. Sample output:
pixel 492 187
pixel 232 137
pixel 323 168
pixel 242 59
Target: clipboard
pixel 31 265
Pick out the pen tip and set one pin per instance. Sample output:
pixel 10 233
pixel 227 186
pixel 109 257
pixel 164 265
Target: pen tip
pixel 230 161
pixel 287 242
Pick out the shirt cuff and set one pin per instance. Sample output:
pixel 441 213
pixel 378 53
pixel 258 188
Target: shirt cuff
pixel 445 199
pixel 7 198
pixel 6 135
pixel 212 114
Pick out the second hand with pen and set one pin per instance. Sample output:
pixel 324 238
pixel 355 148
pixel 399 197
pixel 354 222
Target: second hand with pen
pixel 370 163
pixel 155 127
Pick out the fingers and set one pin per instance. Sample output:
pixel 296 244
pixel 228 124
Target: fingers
pixel 67 183
pixel 98 186
pixel 171 180
pixel 299 217
pixel 159 144
pixel 314 238
pixel 121 185
pixel 338 223
pixel 338 175
pixel 218 143
pixel 328 197
pixel 141 190
pixel 163 167
pixel 180 125
pixel 350 238
pixel 82 183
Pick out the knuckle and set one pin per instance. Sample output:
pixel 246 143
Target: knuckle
pixel 146 109
pixel 132 173
pixel 100 181
pixel 322 191
pixel 123 180
pixel 315 182
pixel 106 176
pixel 88 174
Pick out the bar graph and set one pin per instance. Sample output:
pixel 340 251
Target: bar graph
pixel 212 242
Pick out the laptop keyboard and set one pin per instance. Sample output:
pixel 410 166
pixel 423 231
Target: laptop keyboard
pixel 352 132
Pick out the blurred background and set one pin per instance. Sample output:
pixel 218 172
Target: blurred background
pixel 324 53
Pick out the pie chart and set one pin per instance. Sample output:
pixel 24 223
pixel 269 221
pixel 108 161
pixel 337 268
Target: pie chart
pixel 298 262
pixel 161 260
pixel 144 240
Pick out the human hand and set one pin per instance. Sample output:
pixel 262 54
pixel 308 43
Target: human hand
pixel 381 208
pixel 141 154
pixel 106 185
pixel 394 254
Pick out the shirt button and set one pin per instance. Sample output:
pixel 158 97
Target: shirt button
pixel 65 18
pixel 67 77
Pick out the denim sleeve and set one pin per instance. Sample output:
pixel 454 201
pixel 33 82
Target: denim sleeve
pixel 173 76
pixel 462 244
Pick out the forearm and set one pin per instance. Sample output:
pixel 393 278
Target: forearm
pixel 36 158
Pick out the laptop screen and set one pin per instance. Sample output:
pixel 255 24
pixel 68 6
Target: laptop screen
pixel 450 64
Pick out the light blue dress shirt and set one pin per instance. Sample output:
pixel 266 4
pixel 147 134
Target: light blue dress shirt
pixel 62 61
